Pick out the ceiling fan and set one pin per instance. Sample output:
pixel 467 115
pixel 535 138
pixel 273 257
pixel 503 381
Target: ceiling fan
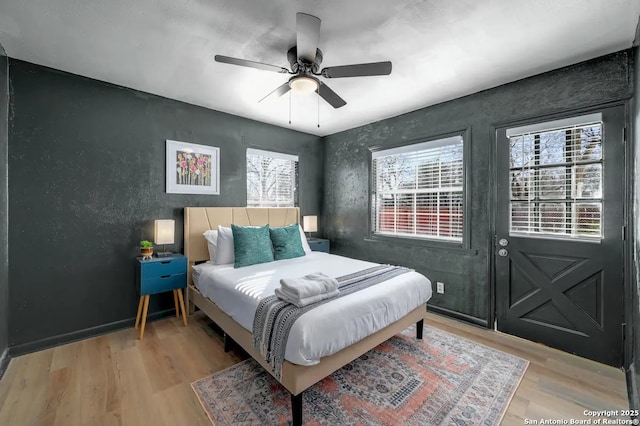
pixel 305 59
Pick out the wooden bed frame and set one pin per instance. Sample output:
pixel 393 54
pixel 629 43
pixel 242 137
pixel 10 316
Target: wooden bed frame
pixel 295 378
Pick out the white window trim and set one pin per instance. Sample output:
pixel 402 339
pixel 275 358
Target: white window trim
pixel 549 126
pixel 272 154
pixel 420 146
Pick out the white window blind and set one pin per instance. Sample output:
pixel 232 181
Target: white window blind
pixel 272 179
pixel 556 179
pixel 418 190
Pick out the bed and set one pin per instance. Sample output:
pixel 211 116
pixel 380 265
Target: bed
pixel 308 358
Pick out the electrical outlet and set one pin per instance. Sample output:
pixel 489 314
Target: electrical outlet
pixel 440 287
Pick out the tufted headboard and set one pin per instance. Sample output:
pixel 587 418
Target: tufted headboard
pixel 199 219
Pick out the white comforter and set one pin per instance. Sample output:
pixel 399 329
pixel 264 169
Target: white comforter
pixel 328 328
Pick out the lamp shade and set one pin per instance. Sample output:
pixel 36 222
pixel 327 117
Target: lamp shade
pixel 164 230
pixel 310 223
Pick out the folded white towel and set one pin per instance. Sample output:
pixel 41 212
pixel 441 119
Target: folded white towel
pixel 307 286
pixel 307 300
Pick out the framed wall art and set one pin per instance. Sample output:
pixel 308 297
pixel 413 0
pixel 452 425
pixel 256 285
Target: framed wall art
pixel 192 169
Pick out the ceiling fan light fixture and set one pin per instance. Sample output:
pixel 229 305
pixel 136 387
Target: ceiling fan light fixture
pixel 303 84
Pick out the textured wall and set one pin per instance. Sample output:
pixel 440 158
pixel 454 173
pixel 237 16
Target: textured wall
pixel 466 274
pixel 87 173
pixel 4 213
pixel 635 123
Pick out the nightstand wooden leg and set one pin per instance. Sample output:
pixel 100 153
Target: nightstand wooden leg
pixel 144 315
pixel 184 313
pixel 175 301
pixel 139 311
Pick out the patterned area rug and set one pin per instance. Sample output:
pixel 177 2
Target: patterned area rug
pixel 444 379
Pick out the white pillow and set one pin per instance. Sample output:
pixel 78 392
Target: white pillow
pixel 224 250
pixel 305 243
pixel 212 243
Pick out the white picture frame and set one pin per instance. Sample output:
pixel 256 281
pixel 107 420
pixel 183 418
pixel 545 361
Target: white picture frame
pixel 192 169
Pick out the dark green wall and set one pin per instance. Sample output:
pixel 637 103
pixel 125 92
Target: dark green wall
pixel 4 213
pixel 465 274
pixel 87 179
pixel 87 173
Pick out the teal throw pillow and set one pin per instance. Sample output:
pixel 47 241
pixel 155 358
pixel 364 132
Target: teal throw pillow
pixel 286 242
pixel 251 245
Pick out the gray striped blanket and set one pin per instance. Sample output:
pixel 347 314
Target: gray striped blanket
pixel 275 317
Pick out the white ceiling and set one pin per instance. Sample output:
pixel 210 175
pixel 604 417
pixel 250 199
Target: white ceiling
pixel 440 49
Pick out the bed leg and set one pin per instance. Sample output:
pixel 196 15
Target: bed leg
pixel 190 307
pixel 296 409
pixel 419 329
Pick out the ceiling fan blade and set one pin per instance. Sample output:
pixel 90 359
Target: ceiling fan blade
pixel 281 90
pixel 308 31
pixel 330 96
pixel 250 64
pixel 358 70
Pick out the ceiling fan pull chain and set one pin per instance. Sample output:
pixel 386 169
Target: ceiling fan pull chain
pixel 289 107
pixel 318 108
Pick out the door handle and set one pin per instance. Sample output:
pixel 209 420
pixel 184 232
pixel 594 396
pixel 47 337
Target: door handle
pixel 503 252
pixel 503 242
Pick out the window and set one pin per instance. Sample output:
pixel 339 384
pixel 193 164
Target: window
pixel 556 178
pixel 272 179
pixel 418 190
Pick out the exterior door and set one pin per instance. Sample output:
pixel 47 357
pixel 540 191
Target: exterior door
pixel 559 234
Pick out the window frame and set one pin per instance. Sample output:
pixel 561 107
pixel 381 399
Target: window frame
pixel 278 155
pixel 465 245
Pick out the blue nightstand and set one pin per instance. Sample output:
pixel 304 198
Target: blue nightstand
pixel 318 244
pixel 158 275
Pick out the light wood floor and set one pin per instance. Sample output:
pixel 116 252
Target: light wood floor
pixel 117 379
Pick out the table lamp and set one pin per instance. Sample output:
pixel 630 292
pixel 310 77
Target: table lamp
pixel 164 234
pixel 310 224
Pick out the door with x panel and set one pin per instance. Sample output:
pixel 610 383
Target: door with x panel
pixel 559 233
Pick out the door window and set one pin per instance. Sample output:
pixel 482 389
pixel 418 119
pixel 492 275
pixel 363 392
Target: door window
pixel 555 176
